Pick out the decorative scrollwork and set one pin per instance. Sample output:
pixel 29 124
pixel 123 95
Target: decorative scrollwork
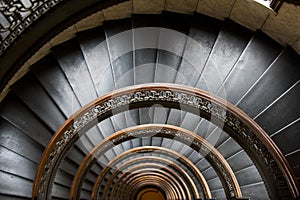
pixel 239 125
pixel 17 15
pixel 151 151
pixel 216 160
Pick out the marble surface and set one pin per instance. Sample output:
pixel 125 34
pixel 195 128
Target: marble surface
pixel 285 26
pixel 153 6
pixel 119 11
pixel 183 6
pixel 215 8
pixel 250 14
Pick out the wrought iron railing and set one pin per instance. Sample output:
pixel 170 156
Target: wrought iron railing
pixel 17 15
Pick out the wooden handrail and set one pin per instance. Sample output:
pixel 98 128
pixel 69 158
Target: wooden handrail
pixel 161 150
pixel 196 142
pixel 256 143
pixel 136 167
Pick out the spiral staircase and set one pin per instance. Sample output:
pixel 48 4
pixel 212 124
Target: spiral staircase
pixel 246 68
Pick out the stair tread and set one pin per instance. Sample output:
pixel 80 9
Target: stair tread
pixel 93 45
pixel 227 49
pixel 146 36
pixel 256 58
pixel 28 89
pixel 13 197
pixel 220 54
pixel 260 191
pixel 12 107
pixel 60 191
pixel 249 176
pixel 14 185
pixel 281 75
pixel 288 135
pixel 74 66
pixel 201 38
pixel 55 82
pixel 240 161
pixel 22 167
pixel 120 47
pixel 286 110
pixel 17 141
pixel 218 193
pixel 119 39
pixel 171 45
pixel 293 160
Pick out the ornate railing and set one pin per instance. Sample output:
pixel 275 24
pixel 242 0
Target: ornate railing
pixel 146 150
pixel 186 137
pixel 274 168
pixel 17 15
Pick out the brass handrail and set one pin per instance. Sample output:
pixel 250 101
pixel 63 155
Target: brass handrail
pixel 161 150
pixel 144 178
pixel 139 167
pixel 196 142
pixel 165 183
